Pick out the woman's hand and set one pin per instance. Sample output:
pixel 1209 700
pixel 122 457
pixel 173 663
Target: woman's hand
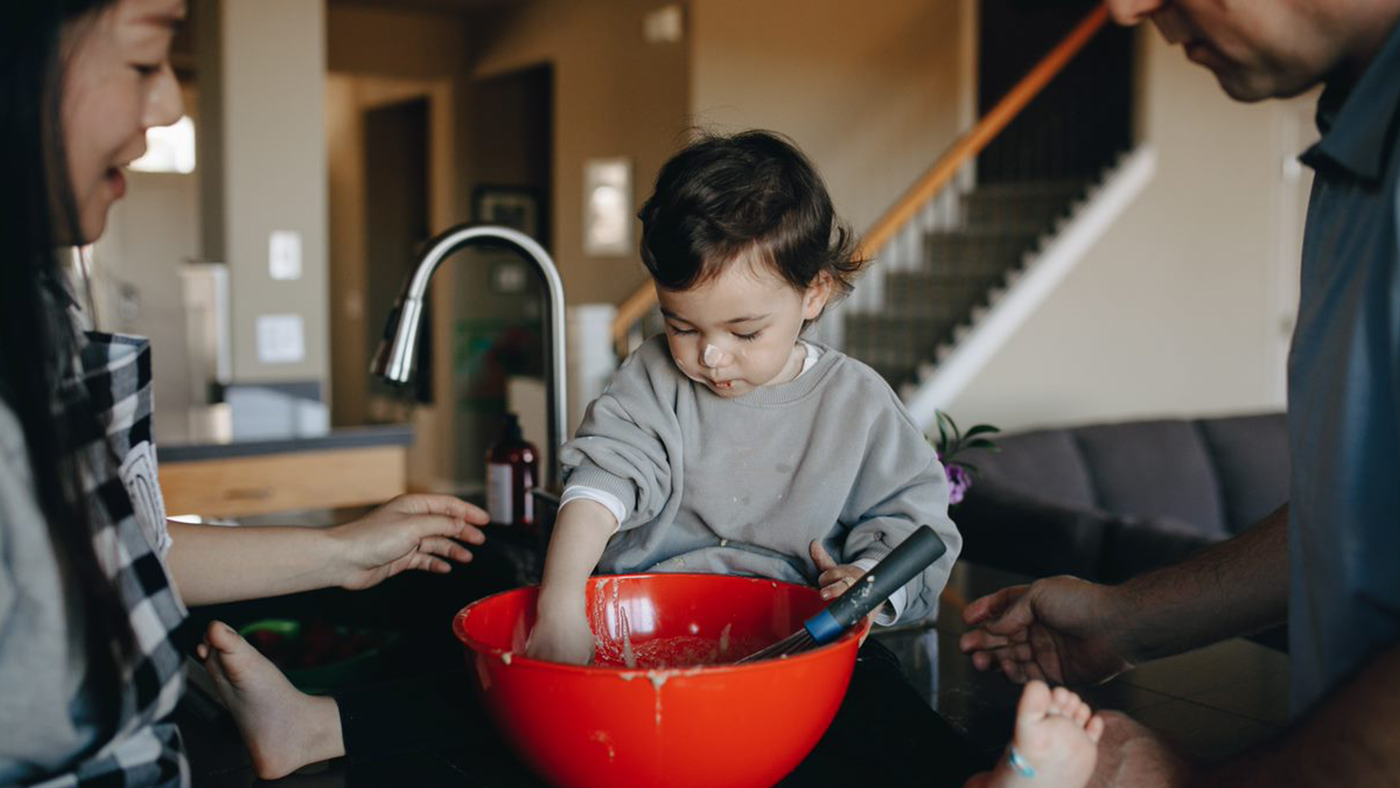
pixel 410 532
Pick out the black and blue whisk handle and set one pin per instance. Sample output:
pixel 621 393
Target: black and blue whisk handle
pixel 904 562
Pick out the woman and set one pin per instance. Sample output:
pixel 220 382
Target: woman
pixel 92 578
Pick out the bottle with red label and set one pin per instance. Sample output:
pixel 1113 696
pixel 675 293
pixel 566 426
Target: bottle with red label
pixel 512 471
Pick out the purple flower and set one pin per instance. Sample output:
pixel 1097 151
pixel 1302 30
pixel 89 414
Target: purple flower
pixel 958 482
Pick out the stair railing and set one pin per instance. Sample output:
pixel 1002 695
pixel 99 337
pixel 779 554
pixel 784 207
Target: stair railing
pixel 893 241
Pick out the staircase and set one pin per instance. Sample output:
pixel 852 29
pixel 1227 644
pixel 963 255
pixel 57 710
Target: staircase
pixel 967 253
pixel 957 272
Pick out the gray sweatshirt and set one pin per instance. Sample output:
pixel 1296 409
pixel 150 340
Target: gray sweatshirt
pixel 742 486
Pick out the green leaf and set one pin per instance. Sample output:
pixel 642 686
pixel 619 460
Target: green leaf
pixel 983 443
pixel 981 429
pixel 942 433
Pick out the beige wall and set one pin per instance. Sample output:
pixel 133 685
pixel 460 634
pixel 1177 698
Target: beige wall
pixel 871 93
pixel 394 49
pixel 377 57
pixel 137 284
pixel 394 43
pixel 273 172
pixel 1181 307
pixel 615 95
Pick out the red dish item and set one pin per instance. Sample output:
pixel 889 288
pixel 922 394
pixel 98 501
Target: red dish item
pixel 662 707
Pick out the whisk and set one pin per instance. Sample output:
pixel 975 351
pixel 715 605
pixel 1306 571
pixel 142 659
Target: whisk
pixel 911 557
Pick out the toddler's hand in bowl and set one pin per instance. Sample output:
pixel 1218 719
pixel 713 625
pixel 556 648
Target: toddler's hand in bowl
pixel 561 638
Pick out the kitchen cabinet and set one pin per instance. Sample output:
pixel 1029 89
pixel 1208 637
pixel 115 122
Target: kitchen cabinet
pixel 344 468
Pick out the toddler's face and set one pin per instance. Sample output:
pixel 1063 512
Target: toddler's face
pixel 739 330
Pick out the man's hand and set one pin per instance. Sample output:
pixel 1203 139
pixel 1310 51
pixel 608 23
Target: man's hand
pixel 1061 630
pixel 410 532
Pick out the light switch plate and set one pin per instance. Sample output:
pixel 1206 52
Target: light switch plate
pixel 280 339
pixel 284 255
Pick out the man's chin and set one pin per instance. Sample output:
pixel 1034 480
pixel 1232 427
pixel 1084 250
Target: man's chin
pixel 1242 90
pixel 1252 88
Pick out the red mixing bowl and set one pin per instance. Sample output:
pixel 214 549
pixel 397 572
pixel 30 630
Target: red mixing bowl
pixel 661 707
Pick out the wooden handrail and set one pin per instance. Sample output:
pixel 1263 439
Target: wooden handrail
pixel 967 146
pixel 630 312
pixel 981 135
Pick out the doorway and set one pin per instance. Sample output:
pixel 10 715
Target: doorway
pixel 498 305
pixel 1082 120
pixel 396 224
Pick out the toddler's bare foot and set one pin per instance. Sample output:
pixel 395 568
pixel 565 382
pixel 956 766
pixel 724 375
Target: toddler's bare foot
pixel 283 727
pixel 1056 741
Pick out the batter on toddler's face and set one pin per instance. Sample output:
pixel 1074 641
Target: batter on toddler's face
pixel 738 330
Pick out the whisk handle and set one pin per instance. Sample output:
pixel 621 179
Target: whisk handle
pixel 904 562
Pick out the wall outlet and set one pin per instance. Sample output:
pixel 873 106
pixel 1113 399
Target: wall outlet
pixel 280 339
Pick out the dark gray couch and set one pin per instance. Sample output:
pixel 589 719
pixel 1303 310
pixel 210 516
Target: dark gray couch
pixel 1109 501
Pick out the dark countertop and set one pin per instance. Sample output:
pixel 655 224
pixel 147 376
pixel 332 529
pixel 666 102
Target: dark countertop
pixel 340 438
pixel 926 721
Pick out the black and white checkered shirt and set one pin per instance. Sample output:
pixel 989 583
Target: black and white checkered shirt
pixel 130 538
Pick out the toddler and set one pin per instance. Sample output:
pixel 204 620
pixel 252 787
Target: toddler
pixel 730 444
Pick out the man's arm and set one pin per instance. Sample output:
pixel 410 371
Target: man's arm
pixel 1066 630
pixel 1233 588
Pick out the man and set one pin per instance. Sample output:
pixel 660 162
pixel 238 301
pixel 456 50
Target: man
pixel 1329 561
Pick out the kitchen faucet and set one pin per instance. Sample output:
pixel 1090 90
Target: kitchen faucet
pixel 394 359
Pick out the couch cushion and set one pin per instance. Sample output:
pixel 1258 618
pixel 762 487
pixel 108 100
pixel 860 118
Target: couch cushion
pixel 1158 469
pixel 1005 528
pixel 1251 460
pixel 1045 465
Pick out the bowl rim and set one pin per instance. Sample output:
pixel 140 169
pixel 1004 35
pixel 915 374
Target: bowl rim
pixel 477 647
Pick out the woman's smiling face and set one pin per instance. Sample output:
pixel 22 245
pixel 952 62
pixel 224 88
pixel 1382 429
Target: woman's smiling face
pixel 117 83
pixel 738 331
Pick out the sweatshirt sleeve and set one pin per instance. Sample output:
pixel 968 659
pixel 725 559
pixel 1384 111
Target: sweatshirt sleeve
pixel 9 490
pixel 901 485
pixel 630 436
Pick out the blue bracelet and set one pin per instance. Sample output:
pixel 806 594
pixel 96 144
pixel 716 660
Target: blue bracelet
pixel 1020 765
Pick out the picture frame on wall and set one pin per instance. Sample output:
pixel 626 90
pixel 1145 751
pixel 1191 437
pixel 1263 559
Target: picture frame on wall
pixel 609 217
pixel 516 207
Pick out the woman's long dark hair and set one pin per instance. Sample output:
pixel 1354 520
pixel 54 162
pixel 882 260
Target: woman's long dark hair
pixel 38 341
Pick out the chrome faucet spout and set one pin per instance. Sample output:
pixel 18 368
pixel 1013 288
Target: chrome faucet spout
pixel 394 359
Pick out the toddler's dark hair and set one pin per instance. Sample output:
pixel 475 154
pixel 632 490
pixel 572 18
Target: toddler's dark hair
pixel 723 196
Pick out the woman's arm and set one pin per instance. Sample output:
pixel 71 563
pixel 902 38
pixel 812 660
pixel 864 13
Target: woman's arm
pixel 212 564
